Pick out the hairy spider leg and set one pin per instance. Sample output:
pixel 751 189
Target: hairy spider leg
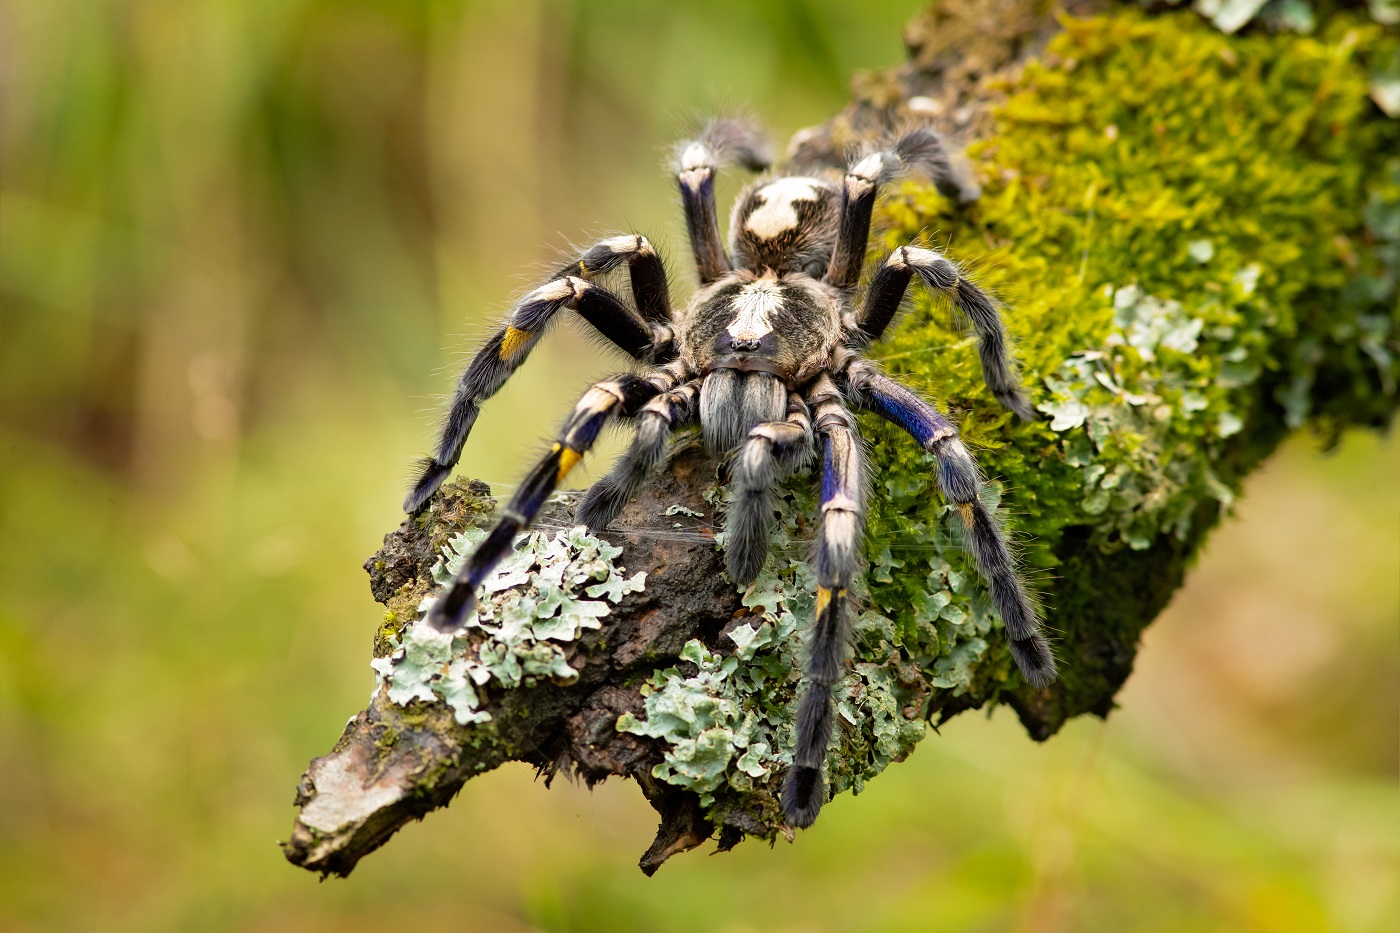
pixel 858 190
pixel 697 161
pixel 656 421
pixel 644 267
pixel 842 514
pixel 941 274
pixel 921 150
pixel 771 451
pixel 507 349
pixel 621 394
pixel 960 483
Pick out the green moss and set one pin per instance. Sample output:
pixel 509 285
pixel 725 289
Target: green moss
pixel 1179 225
pixel 1197 239
pixel 1132 144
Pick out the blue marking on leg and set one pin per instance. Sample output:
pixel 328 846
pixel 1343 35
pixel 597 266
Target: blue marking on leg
pixel 898 405
pixel 906 418
pixel 582 435
pixel 830 480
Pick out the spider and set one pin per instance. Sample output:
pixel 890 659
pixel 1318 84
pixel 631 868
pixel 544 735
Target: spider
pixel 767 355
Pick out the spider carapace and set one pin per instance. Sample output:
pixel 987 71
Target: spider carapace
pixel 767 356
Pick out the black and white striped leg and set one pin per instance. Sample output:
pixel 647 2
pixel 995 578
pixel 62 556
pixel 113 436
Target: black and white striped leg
pixel 842 516
pixel 508 348
pixel 771 451
pixel 620 395
pixel 960 482
pixel 650 289
pixel 941 274
pixel 655 422
pixel 697 161
pixel 918 151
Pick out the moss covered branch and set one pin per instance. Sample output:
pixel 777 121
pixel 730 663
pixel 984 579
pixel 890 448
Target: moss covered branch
pixel 1198 239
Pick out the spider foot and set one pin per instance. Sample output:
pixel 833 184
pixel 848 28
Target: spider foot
pixel 601 505
pixel 747 549
pixel 1032 655
pixel 445 617
pixel 803 794
pixel 433 475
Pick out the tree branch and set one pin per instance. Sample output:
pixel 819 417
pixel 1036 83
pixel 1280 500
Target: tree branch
pixel 1177 320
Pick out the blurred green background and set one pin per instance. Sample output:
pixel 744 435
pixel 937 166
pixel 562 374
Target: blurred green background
pixel 245 246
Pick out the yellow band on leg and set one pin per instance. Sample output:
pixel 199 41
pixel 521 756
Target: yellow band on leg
pixel 568 459
pixel 513 342
pixel 824 595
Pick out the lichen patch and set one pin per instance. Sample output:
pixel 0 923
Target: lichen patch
pixel 540 598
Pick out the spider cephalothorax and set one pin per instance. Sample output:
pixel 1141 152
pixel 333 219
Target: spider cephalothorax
pixel 766 356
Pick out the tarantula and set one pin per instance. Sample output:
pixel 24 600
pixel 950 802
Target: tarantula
pixel 766 355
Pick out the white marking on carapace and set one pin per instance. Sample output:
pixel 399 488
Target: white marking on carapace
pixel 755 302
pixel 777 214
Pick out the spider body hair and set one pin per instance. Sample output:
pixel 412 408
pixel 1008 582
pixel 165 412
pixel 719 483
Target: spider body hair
pixel 767 357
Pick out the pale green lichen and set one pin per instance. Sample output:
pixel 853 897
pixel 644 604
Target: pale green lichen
pixel 1157 371
pixel 541 597
pixel 728 724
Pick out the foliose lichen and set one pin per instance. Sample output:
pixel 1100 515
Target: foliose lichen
pixel 727 725
pixel 1158 370
pixel 540 598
